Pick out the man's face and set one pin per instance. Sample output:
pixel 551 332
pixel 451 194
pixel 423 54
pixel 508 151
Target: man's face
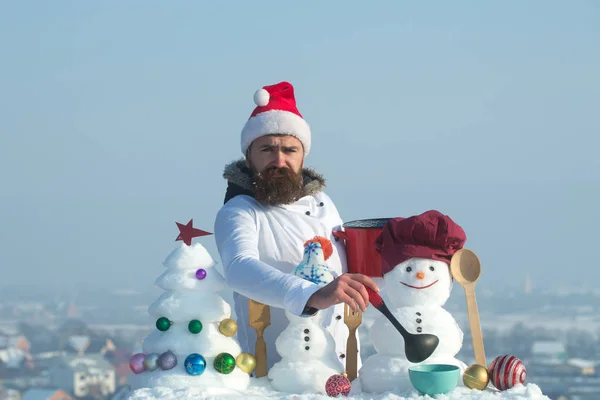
pixel 277 162
pixel 276 151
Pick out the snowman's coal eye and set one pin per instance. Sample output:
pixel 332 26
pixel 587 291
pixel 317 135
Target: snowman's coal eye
pixel 408 269
pixel 431 268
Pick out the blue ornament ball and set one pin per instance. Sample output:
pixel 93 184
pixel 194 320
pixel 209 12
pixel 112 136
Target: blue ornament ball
pixel 195 364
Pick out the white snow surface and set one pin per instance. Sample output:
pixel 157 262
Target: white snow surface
pixel 189 257
pixel 185 306
pixel 260 389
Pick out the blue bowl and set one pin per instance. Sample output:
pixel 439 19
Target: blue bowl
pixel 434 379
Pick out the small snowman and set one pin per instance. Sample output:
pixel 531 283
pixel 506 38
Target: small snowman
pixel 415 253
pixel 307 350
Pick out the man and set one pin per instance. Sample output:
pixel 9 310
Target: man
pixel 272 206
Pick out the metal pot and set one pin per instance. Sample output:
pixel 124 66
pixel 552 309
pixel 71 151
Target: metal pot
pixel 360 237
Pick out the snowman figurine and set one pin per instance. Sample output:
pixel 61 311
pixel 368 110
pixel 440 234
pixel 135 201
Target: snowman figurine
pixel 415 255
pixel 307 350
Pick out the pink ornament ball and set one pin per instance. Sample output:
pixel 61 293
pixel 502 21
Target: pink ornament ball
pixel 200 274
pixel 338 384
pixel 136 363
pixel 507 371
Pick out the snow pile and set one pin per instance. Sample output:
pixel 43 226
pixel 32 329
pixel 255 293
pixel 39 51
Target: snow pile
pixel 307 349
pixel 417 289
pixel 190 296
pixel 260 389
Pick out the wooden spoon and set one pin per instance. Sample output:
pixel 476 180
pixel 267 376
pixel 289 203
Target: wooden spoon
pixel 466 269
pixel 259 318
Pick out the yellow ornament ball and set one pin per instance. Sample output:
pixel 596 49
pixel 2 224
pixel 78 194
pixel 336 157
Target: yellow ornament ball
pixel 476 377
pixel 228 327
pixel 246 362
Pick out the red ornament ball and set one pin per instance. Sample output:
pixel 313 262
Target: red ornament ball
pixel 338 384
pixel 507 371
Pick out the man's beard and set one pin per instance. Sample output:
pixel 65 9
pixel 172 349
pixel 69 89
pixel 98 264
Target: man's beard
pixel 276 190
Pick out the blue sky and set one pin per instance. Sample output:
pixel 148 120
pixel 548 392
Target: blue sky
pixel 117 118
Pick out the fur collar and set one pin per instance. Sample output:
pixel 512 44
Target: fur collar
pixel 239 179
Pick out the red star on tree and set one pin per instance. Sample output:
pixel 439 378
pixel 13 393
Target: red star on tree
pixel 187 232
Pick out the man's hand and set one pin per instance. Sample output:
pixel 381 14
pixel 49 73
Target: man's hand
pixel 347 288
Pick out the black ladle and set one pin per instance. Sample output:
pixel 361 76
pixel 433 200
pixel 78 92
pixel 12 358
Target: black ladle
pixel 417 347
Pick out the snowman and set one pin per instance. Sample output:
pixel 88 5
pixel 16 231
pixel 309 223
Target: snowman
pixel 307 350
pixel 415 255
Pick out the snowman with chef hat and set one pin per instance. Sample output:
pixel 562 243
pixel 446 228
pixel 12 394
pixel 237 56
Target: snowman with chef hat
pixel 415 254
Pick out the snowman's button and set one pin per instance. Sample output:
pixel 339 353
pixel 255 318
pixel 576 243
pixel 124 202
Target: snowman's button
pixel 418 313
pixel 338 317
pixel 342 355
pixel 307 213
pixel 418 320
pixel 419 329
pixel 306 338
pixel 306 331
pixel 306 348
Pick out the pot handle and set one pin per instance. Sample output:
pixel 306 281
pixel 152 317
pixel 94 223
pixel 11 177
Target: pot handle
pixel 340 235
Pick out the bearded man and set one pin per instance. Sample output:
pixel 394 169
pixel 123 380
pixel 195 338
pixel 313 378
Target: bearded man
pixel 273 205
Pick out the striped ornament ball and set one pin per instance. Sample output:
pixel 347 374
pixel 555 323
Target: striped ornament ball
pixel 507 371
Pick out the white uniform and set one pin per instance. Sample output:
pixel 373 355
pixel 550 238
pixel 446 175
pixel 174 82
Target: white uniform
pixel 260 245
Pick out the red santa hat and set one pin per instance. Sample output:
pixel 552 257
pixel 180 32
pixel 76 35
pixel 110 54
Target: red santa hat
pixel 276 113
pixel 431 235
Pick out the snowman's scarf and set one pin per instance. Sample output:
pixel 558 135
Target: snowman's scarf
pixel 239 180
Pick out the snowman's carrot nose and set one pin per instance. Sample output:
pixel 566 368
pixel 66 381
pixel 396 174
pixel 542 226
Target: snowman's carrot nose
pixel 420 275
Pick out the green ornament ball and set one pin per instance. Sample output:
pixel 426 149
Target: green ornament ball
pixel 195 326
pixel 163 324
pixel 224 363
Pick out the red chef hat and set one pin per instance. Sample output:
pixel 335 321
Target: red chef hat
pixel 431 235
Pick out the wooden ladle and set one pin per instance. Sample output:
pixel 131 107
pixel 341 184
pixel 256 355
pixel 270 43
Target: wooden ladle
pixel 466 269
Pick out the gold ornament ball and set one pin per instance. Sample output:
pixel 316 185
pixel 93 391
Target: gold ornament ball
pixel 228 327
pixel 476 377
pixel 246 362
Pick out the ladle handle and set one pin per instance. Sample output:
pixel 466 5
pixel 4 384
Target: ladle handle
pixel 388 314
pixel 475 325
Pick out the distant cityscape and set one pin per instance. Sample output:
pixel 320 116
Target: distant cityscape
pixel 77 344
